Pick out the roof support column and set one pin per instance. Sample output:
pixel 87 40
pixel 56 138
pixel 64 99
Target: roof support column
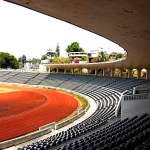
pixel 147 74
pixel 72 70
pixel 80 70
pixel 88 71
pixel 138 73
pixel 49 70
pixel 121 73
pixel 57 70
pixel 112 72
pixel 129 73
pixel 95 72
pixel 103 72
pixel 64 70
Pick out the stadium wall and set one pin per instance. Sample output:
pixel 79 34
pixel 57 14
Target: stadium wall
pixel 132 105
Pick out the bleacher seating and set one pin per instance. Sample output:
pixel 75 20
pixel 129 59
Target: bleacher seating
pixel 126 84
pixel 22 77
pixel 76 81
pixel 8 75
pixel 106 92
pixel 79 83
pixel 2 74
pixel 56 79
pixel 125 134
pixel 38 79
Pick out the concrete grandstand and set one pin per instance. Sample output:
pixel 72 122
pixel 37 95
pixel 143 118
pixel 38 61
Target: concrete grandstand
pixel 107 93
pixel 126 23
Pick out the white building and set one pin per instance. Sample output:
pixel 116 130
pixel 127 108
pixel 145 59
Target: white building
pixel 42 68
pixel 90 55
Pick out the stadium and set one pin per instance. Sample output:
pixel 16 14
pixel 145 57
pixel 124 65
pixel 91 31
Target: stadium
pixel 35 104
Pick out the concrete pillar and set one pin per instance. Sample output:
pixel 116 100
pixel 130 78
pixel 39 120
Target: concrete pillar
pixel 81 71
pixel 138 73
pixel 49 70
pixel 103 72
pixel 72 70
pixel 88 71
pixel 126 75
pixel 147 74
pixel 121 73
pixel 64 71
pixel 112 72
pixel 57 70
pixel 129 73
pixel 96 72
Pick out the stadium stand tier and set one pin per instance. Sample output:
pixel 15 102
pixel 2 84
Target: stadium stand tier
pixel 127 134
pixel 22 77
pixel 126 23
pixel 90 134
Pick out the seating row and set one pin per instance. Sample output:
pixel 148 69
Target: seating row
pixel 124 134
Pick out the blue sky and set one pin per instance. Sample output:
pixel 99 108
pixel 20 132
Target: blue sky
pixel 23 31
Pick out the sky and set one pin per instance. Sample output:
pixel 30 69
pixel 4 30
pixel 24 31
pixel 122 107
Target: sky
pixel 23 31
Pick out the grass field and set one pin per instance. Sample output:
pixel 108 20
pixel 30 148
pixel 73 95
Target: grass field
pixel 5 90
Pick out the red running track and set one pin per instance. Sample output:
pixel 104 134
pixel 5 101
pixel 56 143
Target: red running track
pixel 19 101
pixel 39 107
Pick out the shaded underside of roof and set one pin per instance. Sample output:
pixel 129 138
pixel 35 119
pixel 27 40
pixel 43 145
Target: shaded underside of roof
pixel 124 22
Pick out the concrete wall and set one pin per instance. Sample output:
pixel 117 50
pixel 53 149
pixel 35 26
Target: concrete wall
pixel 24 138
pixel 132 105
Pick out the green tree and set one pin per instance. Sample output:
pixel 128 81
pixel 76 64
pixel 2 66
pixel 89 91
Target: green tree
pixel 119 56
pixel 22 59
pixel 51 54
pixel 44 57
pixel 36 60
pixel 2 62
pixel 8 61
pixel 84 58
pixel 57 50
pixel 102 56
pixel 74 47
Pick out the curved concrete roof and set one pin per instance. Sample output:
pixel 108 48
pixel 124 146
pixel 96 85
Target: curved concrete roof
pixel 125 22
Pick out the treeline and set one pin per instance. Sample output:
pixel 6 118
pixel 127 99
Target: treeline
pixel 8 61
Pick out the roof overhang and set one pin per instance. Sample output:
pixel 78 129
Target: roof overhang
pixel 119 64
pixel 124 22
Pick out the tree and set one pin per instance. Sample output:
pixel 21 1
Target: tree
pixel 84 58
pixel 22 59
pixel 44 57
pixel 2 62
pixel 119 56
pixel 57 50
pixel 51 54
pixel 36 60
pixel 102 56
pixel 74 47
pixel 8 61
